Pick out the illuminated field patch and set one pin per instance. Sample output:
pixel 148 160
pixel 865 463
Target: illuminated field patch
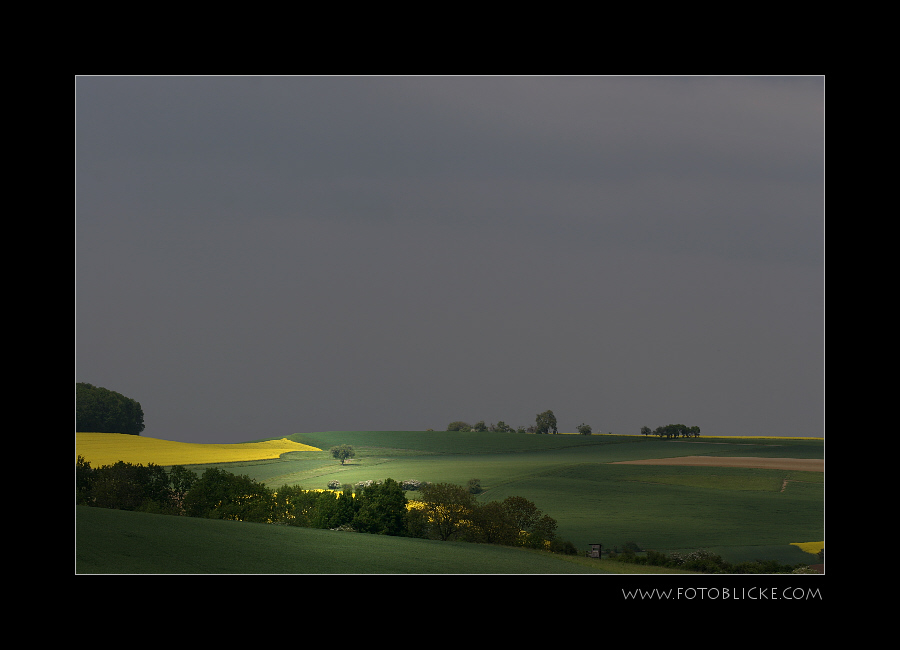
pixel 108 448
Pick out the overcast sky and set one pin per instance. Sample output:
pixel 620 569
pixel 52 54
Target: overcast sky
pixel 261 256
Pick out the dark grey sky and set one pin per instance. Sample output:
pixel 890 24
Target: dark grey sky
pixel 260 256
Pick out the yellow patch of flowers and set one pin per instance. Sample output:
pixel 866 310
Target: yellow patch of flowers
pixel 108 448
pixel 810 547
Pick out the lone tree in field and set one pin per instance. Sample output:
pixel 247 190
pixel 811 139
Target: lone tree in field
pixel 545 422
pixel 343 452
pixel 584 429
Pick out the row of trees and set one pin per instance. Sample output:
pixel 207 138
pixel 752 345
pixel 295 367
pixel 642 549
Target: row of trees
pixel 443 511
pixel 450 512
pixel 501 427
pixel 706 561
pixel 672 431
pixel 128 486
pixel 544 423
pixel 100 410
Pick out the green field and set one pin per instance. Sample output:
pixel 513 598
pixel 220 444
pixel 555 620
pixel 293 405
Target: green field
pixel 115 541
pixel 740 513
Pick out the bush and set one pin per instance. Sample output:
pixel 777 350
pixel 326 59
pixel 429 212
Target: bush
pixel 651 558
pixel 655 558
pixel 700 560
pixel 805 569
pixel 704 561
pixel 564 547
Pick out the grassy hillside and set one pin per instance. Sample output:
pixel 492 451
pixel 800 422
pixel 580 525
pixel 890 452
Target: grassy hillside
pixel 740 513
pixel 745 513
pixel 115 541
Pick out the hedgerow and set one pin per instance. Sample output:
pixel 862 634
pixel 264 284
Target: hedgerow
pixel 705 561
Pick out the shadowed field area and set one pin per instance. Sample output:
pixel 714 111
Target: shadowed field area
pixel 801 464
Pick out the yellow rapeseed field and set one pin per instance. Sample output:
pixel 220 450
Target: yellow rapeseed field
pixel 810 547
pixel 108 448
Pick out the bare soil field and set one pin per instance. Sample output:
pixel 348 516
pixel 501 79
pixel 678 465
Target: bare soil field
pixel 803 464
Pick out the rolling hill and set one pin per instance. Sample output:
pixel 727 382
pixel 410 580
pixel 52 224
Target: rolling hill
pixel 589 484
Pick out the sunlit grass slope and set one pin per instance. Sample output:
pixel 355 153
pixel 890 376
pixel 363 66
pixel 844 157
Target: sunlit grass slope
pixel 108 448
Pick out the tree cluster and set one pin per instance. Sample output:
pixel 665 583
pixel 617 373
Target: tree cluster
pixel 672 431
pixel 128 486
pixel 219 494
pixel 445 511
pixel 543 423
pixel 500 427
pixel 100 410
pixel 442 512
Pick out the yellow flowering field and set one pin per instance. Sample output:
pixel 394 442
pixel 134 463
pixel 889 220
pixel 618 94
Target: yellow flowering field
pixel 108 448
pixel 809 547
